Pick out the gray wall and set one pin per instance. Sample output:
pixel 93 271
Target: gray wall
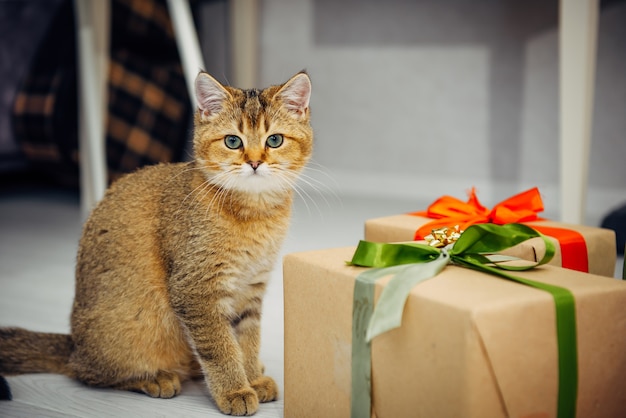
pixel 414 99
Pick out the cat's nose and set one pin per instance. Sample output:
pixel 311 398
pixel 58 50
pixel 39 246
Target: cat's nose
pixel 254 164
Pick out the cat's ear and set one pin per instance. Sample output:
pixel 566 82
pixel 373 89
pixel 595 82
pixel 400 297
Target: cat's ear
pixel 210 95
pixel 296 93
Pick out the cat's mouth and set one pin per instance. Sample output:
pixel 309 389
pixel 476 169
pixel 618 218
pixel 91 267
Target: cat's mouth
pixel 255 169
pixel 247 179
pixel 261 177
pixel 265 178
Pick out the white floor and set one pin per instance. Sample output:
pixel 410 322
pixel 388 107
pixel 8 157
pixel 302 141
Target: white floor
pixel 39 230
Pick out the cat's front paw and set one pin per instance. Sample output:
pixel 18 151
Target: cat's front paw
pixel 265 388
pixel 240 402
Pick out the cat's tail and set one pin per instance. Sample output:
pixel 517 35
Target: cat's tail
pixel 23 351
pixel 5 390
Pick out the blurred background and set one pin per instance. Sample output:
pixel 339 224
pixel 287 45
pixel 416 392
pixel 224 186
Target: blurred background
pixel 411 99
pixel 422 98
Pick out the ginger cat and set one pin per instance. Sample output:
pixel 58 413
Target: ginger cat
pixel 173 263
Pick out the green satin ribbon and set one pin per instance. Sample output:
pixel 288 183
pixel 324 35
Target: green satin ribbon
pixel 412 263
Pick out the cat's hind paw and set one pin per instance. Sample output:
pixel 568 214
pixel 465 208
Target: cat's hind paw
pixel 265 388
pixel 164 385
pixel 241 402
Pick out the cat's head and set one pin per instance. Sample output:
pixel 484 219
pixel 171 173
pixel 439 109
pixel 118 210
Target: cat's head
pixel 253 141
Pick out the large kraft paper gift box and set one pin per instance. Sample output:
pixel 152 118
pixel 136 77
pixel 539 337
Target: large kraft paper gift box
pixel 470 344
pixel 598 254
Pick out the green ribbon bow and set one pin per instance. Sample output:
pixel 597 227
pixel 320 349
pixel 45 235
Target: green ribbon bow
pixel 412 263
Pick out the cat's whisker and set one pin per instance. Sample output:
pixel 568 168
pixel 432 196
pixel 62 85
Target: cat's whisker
pixel 318 185
pixel 304 200
pixel 330 188
pixel 201 192
pixel 303 193
pixel 198 189
pixel 312 183
pixel 223 182
pixel 215 200
pixel 208 186
pixel 222 196
pixel 324 171
pixel 228 186
pixel 291 180
pixel 319 188
pixel 186 170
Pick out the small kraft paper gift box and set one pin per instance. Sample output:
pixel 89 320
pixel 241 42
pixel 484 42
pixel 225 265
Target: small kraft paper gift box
pixel 579 247
pixel 471 344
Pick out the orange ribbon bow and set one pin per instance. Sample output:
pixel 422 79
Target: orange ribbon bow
pixel 448 211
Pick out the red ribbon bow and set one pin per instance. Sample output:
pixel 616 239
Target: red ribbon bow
pixel 448 211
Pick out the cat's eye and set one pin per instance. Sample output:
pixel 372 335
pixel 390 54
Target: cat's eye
pixel 233 141
pixel 274 141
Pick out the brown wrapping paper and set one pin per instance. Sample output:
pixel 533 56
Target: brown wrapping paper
pixel 601 247
pixel 471 344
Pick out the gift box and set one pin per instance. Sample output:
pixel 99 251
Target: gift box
pixel 470 344
pixel 599 242
pixel 579 247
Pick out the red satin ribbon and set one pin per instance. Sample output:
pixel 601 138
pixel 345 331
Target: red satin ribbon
pixel 573 247
pixel 448 211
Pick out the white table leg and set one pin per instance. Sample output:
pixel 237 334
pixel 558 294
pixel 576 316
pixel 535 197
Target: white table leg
pixel 92 29
pixel 244 34
pixel 578 32
pixel 187 42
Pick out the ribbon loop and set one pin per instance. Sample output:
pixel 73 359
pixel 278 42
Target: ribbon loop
pixel 449 211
